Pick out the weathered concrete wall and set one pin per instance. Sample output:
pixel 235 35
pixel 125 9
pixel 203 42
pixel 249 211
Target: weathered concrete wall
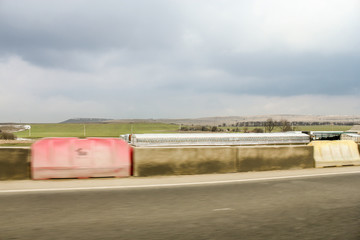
pixel 335 153
pixel 151 161
pixel 14 163
pixel 274 158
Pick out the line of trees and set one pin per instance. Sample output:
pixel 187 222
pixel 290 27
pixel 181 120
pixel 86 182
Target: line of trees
pixel 284 125
pixel 200 128
pixel 278 123
pixel 268 126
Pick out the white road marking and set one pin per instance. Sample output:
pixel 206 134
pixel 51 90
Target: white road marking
pixel 176 184
pixel 223 209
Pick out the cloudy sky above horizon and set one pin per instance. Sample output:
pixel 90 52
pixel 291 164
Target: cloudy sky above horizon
pixel 177 58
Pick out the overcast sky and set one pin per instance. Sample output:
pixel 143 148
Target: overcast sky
pixel 177 58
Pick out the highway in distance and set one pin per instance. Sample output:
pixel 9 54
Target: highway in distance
pixel 310 206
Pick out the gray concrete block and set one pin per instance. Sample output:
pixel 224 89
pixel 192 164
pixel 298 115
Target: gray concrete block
pixel 14 163
pixel 274 158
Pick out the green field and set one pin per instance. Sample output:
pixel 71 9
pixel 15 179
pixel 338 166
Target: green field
pixel 94 130
pixel 323 128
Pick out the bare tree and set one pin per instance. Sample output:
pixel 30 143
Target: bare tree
pixel 269 125
pixel 285 126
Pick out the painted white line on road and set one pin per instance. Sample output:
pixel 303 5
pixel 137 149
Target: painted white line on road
pixel 223 209
pixel 176 184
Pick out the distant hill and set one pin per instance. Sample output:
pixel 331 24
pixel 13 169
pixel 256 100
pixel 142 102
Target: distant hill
pixel 332 119
pixel 86 120
pixel 326 119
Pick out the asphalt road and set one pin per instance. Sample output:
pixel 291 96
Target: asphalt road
pixel 309 207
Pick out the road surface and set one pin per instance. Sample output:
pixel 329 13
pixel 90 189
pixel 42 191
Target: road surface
pixel 301 204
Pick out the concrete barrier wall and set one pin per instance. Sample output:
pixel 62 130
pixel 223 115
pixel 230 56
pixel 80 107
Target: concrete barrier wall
pixel 335 153
pixel 151 161
pixel 14 163
pixel 274 158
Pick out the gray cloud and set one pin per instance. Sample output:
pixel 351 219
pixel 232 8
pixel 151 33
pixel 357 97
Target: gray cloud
pixel 292 74
pixel 48 33
pixel 176 58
